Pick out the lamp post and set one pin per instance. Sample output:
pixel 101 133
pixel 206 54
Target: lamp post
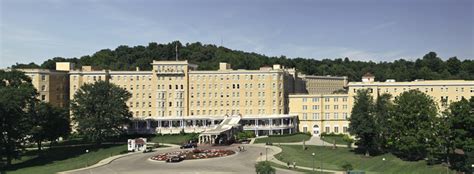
pixel 313 161
pixel 322 147
pixel 266 152
pixel 87 159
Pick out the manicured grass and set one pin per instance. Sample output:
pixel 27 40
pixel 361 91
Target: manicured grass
pixel 275 165
pixel 284 139
pixel 63 158
pixel 334 158
pixel 331 139
pixel 172 139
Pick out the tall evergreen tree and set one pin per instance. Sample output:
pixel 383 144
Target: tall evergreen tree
pixel 383 107
pixel 362 123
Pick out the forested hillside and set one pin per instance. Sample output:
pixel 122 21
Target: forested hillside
pixel 429 67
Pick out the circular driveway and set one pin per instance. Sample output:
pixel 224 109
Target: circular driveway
pixel 140 163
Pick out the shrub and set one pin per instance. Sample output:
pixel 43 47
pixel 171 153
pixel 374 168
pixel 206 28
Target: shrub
pixel 348 140
pixel 347 166
pixel 264 167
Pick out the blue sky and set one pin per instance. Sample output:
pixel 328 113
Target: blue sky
pixel 36 30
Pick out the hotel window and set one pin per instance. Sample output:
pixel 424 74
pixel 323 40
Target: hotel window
pixel 328 129
pixel 336 99
pixel 326 107
pixel 315 99
pixel 315 116
pixel 43 77
pixel 305 116
pixel 305 129
pixel 336 129
pixel 344 129
pixel 43 97
pixel 336 116
pixel 326 99
pixel 43 88
pixel 344 106
pixel 336 107
pixel 326 115
pixel 304 99
pixel 315 107
pixel 304 107
pixel 344 99
pixel 344 115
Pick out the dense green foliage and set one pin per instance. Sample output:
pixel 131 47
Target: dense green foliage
pixel 208 57
pixel 49 123
pixel 460 135
pixel 382 108
pixel 99 110
pixel 264 167
pixel 17 95
pixel 244 135
pixel 415 119
pixel 362 123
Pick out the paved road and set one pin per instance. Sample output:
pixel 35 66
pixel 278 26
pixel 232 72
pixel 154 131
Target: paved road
pixel 242 162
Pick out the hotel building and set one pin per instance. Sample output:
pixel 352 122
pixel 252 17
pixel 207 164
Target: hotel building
pixel 175 96
pixel 330 112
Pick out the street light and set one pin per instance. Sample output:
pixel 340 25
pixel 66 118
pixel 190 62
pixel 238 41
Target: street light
pixel 313 161
pixel 266 152
pixel 322 147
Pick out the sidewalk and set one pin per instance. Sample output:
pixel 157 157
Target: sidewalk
pixel 273 150
pixel 112 158
pixel 316 141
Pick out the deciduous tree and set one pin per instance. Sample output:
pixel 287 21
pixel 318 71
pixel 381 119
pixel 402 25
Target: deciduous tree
pixel 17 94
pixel 99 110
pixel 414 122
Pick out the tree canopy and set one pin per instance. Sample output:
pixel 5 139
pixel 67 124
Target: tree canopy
pixel 17 95
pixel 99 110
pixel 208 57
pixel 415 119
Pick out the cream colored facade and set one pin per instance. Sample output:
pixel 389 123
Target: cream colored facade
pixel 329 112
pixel 320 84
pixel 52 86
pixel 175 96
pixel 319 113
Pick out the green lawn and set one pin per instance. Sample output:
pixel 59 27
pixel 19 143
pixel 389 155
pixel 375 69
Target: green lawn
pixel 63 158
pixel 172 139
pixel 331 139
pixel 334 158
pixel 275 165
pixel 284 139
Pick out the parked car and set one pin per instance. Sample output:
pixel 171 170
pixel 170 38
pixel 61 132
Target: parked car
pixel 174 159
pixel 188 145
pixel 148 149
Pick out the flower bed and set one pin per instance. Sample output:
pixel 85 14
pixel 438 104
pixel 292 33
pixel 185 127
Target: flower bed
pixel 193 154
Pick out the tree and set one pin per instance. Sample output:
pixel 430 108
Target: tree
pixel 49 123
pixel 99 110
pixel 415 119
pixel 382 109
pixel 17 94
pixel 460 121
pixel 264 167
pixel 362 123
